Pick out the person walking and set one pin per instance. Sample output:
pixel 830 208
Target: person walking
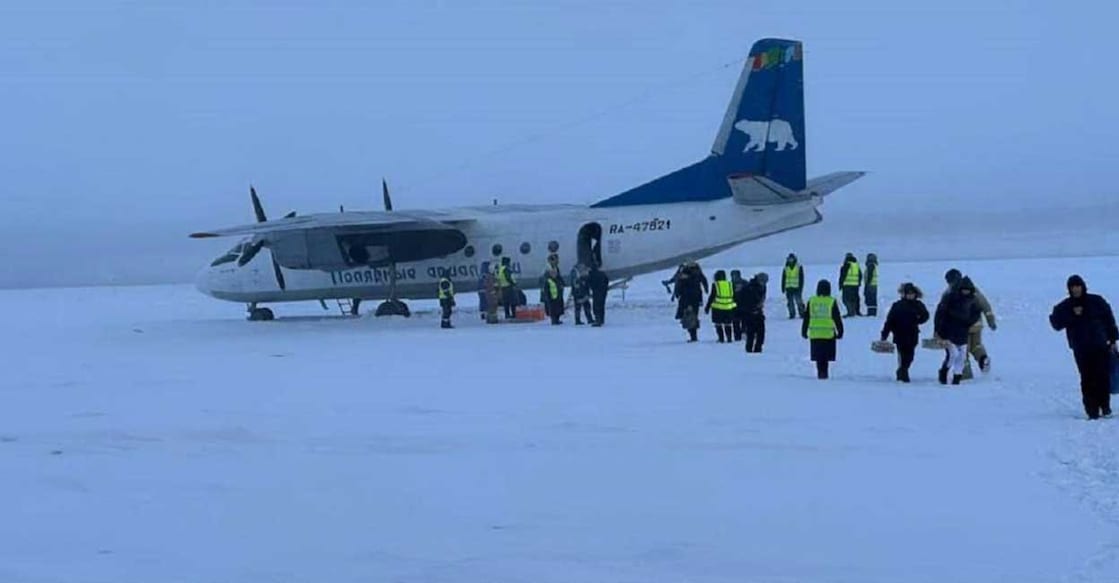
pixel 688 290
pixel 904 321
pixel 1089 326
pixel 822 326
pixel 955 315
pixel 752 310
pixel 721 301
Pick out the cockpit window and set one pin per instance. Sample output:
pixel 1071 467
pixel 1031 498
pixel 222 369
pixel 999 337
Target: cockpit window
pixel 230 256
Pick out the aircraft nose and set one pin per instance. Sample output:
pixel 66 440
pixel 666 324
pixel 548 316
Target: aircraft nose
pixel 203 281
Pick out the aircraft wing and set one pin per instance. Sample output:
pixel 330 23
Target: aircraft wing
pixel 350 222
pixel 338 241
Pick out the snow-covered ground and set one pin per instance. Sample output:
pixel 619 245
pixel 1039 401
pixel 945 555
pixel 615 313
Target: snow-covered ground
pixel 151 434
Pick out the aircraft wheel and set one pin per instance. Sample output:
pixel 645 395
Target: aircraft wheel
pixel 261 315
pixel 393 308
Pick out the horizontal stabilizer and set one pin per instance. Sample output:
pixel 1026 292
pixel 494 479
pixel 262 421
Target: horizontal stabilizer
pixel 754 190
pixel 829 183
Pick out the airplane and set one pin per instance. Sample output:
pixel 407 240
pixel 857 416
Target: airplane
pixel 752 184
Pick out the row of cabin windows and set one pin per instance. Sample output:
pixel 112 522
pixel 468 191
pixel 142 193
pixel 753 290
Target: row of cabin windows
pixel 497 250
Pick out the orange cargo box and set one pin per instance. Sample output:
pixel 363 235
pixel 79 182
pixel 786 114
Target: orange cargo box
pixel 531 313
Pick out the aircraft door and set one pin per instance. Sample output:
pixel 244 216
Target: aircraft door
pixel 589 245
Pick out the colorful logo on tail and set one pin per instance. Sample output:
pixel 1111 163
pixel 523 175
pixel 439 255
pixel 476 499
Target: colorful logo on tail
pixel 776 56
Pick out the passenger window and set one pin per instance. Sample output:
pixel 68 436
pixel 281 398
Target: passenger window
pixel 497 250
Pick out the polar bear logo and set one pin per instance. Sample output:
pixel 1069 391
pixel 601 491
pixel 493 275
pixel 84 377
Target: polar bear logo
pixel 777 131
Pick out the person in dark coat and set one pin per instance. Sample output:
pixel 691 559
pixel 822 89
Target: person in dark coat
pixel 599 284
pixel 688 293
pixel 581 294
pixel 904 321
pixel 1089 325
pixel 720 304
pixel 483 306
pixel 751 307
pixel 870 287
pixel 738 285
pixel 822 326
pixel 957 312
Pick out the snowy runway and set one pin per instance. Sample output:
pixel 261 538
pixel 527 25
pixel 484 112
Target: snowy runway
pixel 150 434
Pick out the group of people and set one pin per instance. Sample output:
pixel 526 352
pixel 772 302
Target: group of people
pixel 497 288
pixel 736 305
pixel 737 311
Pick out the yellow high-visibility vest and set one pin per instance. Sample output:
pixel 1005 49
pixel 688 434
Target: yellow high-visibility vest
pixel 874 277
pixel 449 291
pixel 553 289
pixel 503 279
pixel 724 296
pixel 792 277
pixel 820 323
pixel 853 273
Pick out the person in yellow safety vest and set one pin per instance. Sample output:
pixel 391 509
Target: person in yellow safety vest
pixel 446 301
pixel 870 290
pixel 722 301
pixel 822 326
pixel 792 285
pixel 553 296
pixel 850 276
pixel 507 288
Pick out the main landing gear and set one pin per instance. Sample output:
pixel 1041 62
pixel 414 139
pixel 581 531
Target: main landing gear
pixel 260 314
pixel 392 306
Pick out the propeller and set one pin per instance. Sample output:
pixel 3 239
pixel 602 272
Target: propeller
pixel 253 248
pixel 385 195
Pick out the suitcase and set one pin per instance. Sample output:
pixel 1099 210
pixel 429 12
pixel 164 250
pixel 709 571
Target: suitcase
pixel 883 347
pixel 934 344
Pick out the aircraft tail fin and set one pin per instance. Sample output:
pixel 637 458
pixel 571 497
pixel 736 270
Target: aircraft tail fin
pixel 763 130
pixel 762 134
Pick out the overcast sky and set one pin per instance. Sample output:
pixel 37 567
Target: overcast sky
pixel 128 124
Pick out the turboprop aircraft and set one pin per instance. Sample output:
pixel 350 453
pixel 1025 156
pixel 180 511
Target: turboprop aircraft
pixel 751 185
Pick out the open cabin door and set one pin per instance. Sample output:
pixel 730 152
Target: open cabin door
pixel 589 245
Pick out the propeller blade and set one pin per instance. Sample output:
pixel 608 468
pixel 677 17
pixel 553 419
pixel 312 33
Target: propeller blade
pixel 385 194
pixel 249 252
pixel 279 274
pixel 258 210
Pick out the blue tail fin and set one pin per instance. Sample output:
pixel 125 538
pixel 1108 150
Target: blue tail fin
pixel 763 131
pixel 762 134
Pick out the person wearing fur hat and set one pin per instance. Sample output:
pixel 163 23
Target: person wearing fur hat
pixel 1089 325
pixel 904 321
pixel 822 326
pixel 955 315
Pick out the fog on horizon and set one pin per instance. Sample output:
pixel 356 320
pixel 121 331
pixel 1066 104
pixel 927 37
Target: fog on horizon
pixel 128 125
